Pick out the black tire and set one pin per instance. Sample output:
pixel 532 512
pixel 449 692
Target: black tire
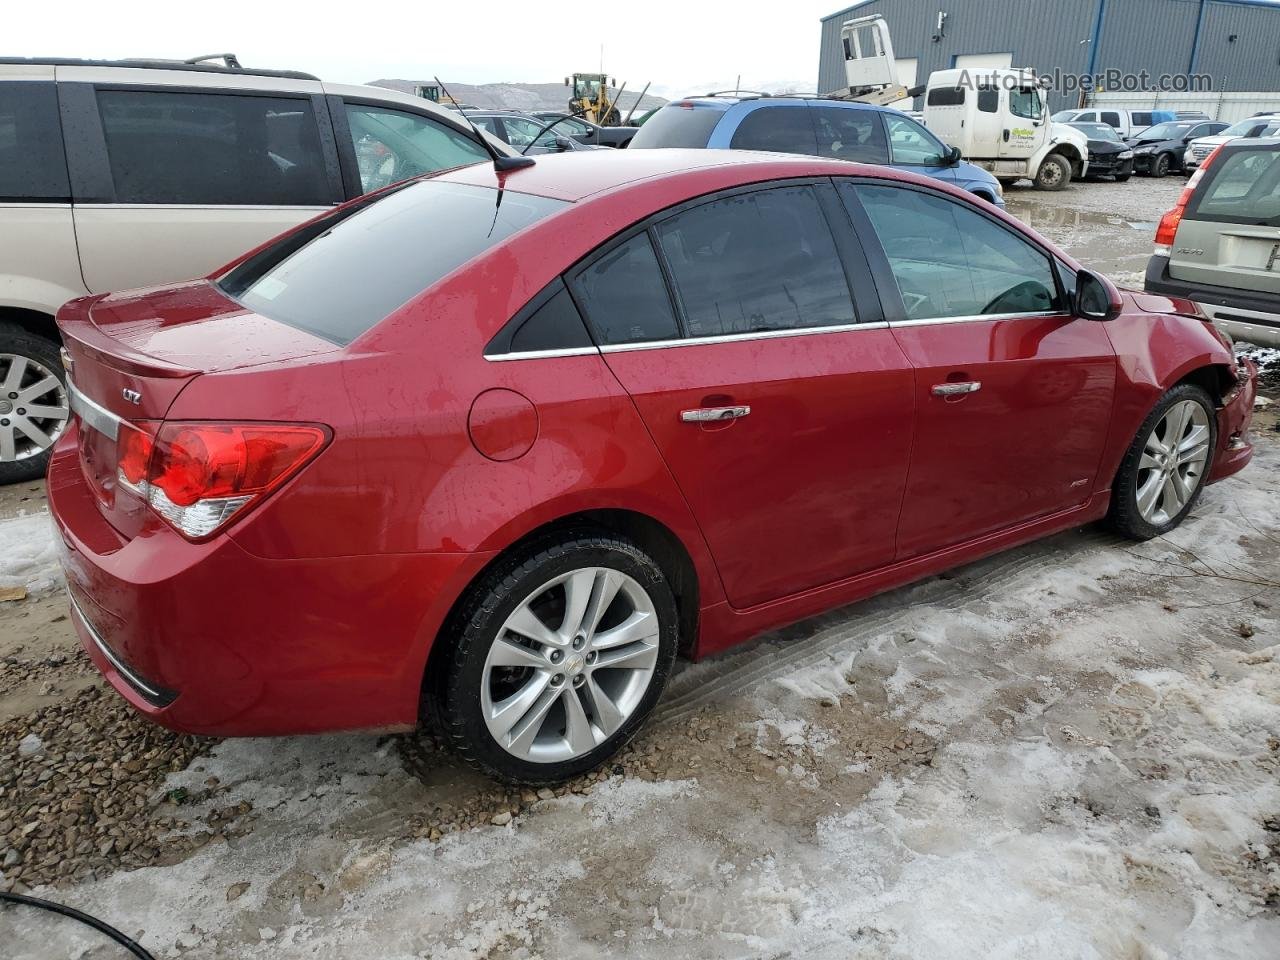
pixel 23 343
pixel 1160 165
pixel 1124 516
pixel 1054 173
pixel 454 689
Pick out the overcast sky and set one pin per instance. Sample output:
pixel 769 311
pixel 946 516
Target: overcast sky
pixel 676 45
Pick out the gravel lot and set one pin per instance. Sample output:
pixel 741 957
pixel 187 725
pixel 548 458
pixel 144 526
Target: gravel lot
pixel 1068 750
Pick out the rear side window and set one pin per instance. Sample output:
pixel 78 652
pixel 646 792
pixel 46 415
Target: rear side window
pixel 850 134
pixel 625 297
pixel 778 130
pixel 201 148
pixel 755 262
pixel 946 97
pixel 1140 118
pixel 1111 119
pixel 950 261
pixel 392 145
pixel 32 164
pixel 678 125
pixel 1243 187
pixel 989 100
pixel 366 264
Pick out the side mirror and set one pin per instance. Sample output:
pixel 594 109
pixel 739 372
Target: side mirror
pixel 1096 297
pixel 953 156
pixel 563 144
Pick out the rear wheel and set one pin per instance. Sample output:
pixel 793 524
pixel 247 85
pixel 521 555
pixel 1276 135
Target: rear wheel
pixel 34 407
pixel 1054 173
pixel 1164 470
pixel 558 657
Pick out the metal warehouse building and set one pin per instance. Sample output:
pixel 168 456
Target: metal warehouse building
pixel 1236 42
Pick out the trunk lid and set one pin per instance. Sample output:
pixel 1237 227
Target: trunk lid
pixel 130 355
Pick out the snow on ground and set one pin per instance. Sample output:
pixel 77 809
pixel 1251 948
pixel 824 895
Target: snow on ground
pixel 1071 750
pixel 27 554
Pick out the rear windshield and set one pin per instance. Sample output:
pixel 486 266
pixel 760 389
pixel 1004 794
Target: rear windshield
pixel 345 273
pixel 678 125
pixel 1243 187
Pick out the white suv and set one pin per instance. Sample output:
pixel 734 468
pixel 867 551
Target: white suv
pixel 131 173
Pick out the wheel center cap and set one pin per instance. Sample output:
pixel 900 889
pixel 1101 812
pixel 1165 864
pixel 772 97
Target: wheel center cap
pixel 6 406
pixel 575 664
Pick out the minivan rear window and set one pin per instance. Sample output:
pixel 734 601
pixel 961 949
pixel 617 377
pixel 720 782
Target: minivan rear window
pixel 354 269
pixel 1243 187
pixel 678 125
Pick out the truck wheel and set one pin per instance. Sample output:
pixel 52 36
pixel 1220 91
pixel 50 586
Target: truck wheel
pixel 34 407
pixel 1054 173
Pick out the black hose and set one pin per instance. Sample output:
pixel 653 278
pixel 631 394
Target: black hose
pixel 65 911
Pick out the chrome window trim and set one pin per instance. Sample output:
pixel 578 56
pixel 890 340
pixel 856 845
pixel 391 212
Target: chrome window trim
pixel 318 207
pixel 35 205
pixel 542 354
pixel 742 337
pixel 94 414
pixel 978 317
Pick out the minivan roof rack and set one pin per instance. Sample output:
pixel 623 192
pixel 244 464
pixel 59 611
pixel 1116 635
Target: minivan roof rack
pixel 230 64
pixel 744 94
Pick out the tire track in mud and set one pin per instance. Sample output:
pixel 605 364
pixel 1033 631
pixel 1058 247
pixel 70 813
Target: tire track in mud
pixel 774 655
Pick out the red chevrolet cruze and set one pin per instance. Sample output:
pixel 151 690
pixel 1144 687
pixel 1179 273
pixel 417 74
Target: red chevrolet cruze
pixel 493 447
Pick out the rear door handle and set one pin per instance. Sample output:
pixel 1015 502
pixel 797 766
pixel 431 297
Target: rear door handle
pixel 956 389
pixel 713 414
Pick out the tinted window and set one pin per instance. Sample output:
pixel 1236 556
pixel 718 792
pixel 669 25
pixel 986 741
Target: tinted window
pixel 678 125
pixel 1111 118
pixel 212 148
pixel 1203 130
pixel 757 261
pixel 32 165
pixel 368 263
pixel 554 324
pixel 625 297
pixel 989 100
pixel 850 134
pixel 1140 118
pixel 392 146
pixel 1243 187
pixel 946 97
pixel 913 145
pixel 777 129
pixel 1087 118
pixel 950 261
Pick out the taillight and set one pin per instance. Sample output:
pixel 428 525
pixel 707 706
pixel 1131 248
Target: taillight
pixel 1167 231
pixel 198 476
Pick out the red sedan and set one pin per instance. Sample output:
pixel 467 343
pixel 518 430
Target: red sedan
pixel 492 447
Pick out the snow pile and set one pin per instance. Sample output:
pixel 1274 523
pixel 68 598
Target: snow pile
pixel 1265 357
pixel 28 557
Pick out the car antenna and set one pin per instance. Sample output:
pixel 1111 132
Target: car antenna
pixel 500 163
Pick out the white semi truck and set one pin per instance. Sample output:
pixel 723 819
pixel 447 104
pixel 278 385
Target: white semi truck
pixel 997 117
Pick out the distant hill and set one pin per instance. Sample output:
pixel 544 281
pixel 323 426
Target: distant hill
pixel 516 96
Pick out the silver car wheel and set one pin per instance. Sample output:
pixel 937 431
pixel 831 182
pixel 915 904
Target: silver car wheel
pixel 570 665
pixel 33 407
pixel 1173 462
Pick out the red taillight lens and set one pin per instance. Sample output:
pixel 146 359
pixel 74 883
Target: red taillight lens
pixel 1167 231
pixel 198 476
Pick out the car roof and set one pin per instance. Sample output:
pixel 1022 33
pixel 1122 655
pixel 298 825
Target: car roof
pixel 724 101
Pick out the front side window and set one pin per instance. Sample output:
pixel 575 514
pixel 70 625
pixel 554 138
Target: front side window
pixel 340 276
pixel 912 145
pixel 950 261
pixel 756 262
pixel 32 165
pixel 522 132
pixel 850 134
pixel 217 149
pixel 625 297
pixel 776 129
pixel 392 145
pixel 1025 102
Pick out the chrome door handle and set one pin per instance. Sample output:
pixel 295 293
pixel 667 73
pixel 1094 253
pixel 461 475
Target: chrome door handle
pixel 713 414
pixel 956 389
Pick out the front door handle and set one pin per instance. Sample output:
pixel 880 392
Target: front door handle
pixel 713 414
pixel 956 389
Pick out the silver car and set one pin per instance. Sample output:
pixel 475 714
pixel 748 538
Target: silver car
pixel 1221 245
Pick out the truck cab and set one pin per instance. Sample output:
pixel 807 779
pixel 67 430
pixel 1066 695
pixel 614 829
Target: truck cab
pixel 999 119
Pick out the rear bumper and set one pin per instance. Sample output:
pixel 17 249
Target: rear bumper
pixel 1246 315
pixel 209 639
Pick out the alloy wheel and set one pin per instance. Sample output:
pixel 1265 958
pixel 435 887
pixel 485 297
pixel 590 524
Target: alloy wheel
pixel 1173 462
pixel 570 665
pixel 33 407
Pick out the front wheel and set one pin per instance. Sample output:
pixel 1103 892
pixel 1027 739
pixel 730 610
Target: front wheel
pixel 1163 472
pixel 34 407
pixel 557 658
pixel 1054 173
pixel 1160 165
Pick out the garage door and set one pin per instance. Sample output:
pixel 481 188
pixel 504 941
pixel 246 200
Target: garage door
pixel 974 61
pixel 907 71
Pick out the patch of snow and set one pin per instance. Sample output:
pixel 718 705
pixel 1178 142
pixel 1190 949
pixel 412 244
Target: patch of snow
pixel 28 557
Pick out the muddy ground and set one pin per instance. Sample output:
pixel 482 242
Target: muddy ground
pixel 1069 750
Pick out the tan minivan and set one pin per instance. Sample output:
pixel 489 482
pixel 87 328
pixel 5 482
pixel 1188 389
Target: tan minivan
pixel 130 173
